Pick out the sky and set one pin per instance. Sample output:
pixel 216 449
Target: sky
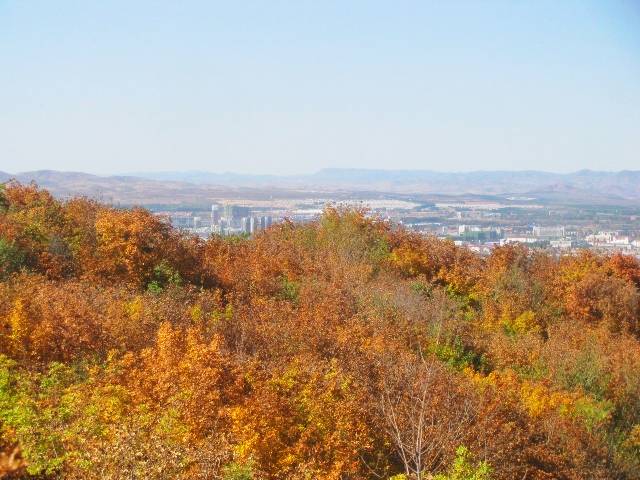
pixel 293 87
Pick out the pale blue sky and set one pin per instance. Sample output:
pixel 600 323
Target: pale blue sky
pixel 292 87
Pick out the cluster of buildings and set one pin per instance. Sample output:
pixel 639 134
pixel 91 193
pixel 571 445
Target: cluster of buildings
pixel 541 235
pixel 225 219
pixel 557 238
pixel 479 227
pixel 237 219
pixel 613 241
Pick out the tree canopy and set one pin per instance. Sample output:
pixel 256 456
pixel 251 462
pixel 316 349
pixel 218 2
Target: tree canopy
pixel 346 348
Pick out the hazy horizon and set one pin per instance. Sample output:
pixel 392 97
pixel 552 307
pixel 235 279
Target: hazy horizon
pixel 293 174
pixel 292 88
pixel 168 173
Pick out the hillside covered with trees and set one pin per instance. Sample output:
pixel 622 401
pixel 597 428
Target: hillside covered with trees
pixel 342 349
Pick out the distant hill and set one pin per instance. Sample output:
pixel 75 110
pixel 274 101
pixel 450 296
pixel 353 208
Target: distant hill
pixel 615 185
pixel 127 190
pixel 624 184
pixel 182 187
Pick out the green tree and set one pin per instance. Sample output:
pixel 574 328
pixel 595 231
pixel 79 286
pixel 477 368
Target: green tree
pixel 463 468
pixel 11 258
pixel 237 471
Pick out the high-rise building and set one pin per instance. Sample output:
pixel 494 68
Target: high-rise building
pixel 245 224
pixel 263 223
pixel 222 226
pixel 215 214
pixel 233 212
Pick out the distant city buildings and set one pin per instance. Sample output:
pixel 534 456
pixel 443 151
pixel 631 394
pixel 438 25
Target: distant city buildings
pixel 548 233
pixel 479 226
pixel 226 219
pixel 236 212
pixel 215 214
pixel 565 244
pixel 524 240
pixel 476 233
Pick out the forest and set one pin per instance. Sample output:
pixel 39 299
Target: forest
pixel 346 348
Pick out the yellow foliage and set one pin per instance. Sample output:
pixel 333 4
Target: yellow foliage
pixel 195 313
pixel 523 323
pixel 134 308
pixel 633 439
pixel 19 325
pixel 538 399
pixel 409 260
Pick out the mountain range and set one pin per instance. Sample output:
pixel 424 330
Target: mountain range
pixel 195 186
pixel 621 184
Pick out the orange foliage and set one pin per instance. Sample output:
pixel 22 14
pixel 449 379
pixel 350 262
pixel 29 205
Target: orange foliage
pixel 323 350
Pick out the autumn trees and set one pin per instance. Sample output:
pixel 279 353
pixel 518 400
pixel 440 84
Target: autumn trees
pixel 346 348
